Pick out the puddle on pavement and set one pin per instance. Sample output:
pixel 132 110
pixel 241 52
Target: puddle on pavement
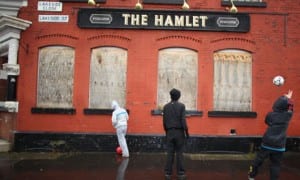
pixel 140 166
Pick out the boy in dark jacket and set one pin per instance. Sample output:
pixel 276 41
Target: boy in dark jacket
pixel 274 139
pixel 174 123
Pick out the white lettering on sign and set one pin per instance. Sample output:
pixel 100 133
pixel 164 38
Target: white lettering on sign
pixel 180 21
pixel 135 19
pixel 49 6
pixel 54 18
pixel 165 20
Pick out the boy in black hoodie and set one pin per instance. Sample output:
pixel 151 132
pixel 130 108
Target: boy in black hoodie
pixel 274 139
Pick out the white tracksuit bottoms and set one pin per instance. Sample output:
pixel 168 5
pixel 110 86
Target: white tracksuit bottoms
pixel 121 133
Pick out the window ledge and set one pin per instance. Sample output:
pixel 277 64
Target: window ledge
pixel 9 106
pixel 90 111
pixel 244 3
pixel 171 2
pixel 157 112
pixel 83 1
pixel 37 110
pixel 231 114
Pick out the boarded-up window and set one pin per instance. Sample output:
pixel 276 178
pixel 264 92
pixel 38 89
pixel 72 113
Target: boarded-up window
pixel 55 78
pixel 232 80
pixel 108 77
pixel 178 68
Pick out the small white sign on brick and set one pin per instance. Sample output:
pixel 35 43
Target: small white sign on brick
pixel 49 6
pixel 54 18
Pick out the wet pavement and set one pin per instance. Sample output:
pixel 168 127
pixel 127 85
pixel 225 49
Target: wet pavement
pixel 140 166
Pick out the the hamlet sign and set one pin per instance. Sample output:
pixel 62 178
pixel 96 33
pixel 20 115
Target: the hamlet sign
pixel 163 19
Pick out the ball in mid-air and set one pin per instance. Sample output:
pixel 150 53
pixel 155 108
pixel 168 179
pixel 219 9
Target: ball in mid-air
pixel 278 80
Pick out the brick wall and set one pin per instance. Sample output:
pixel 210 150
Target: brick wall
pixel 273 40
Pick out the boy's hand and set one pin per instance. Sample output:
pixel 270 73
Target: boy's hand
pixel 187 135
pixel 289 94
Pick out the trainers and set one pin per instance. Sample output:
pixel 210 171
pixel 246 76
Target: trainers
pixel 250 178
pixel 168 176
pixel 181 176
pixel 251 173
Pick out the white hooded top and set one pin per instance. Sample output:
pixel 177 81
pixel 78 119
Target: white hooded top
pixel 119 115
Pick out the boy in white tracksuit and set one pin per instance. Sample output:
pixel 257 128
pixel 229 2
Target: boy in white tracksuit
pixel 119 121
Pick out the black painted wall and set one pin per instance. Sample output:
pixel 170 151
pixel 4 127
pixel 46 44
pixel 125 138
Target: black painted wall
pixel 64 142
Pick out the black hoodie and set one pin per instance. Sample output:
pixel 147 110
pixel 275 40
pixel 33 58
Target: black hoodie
pixel 278 122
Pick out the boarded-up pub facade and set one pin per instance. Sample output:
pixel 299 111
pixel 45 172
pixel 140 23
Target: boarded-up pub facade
pixel 73 59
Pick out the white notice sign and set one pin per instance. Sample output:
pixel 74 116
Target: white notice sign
pixel 49 6
pixel 54 18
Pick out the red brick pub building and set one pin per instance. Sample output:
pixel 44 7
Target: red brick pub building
pixel 73 59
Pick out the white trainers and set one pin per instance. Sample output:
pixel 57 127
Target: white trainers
pixel 250 178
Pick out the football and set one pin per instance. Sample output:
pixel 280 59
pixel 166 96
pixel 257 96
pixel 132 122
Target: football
pixel 278 80
pixel 119 150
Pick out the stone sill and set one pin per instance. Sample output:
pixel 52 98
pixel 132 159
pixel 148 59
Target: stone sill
pixel 91 111
pixel 9 106
pixel 171 2
pixel 245 4
pixel 37 110
pixel 232 114
pixel 83 1
pixel 157 112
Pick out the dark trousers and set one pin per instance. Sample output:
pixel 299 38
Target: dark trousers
pixel 175 144
pixel 275 160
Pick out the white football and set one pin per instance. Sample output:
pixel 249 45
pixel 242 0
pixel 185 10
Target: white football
pixel 278 80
